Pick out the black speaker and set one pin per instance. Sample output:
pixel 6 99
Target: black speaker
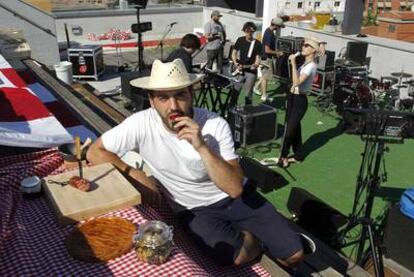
pixel 139 97
pixel 252 124
pixel 264 177
pixel 315 216
pixel 356 52
pixel 326 62
pixel 399 238
pixel 142 3
pixel 353 17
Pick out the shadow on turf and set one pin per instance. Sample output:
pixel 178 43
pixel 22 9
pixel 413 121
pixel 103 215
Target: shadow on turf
pixel 261 176
pixel 318 140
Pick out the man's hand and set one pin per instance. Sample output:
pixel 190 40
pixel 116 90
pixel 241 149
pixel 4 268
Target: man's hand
pixel 190 131
pixel 279 53
pixel 254 66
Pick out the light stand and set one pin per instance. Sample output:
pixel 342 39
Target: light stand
pixel 367 185
pixel 161 43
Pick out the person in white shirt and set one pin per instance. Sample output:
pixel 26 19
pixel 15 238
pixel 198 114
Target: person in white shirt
pixel 190 152
pixel 297 102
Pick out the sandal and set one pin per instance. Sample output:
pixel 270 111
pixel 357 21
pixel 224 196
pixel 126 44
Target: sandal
pixel 283 163
pixel 293 160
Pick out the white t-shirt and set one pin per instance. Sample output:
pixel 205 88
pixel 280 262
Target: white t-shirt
pixel 174 162
pixel 308 69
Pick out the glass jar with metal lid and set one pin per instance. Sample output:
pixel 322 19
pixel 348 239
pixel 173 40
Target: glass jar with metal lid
pixel 154 242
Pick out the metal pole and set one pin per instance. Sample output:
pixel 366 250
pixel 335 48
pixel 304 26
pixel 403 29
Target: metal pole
pixel 140 64
pixel 67 36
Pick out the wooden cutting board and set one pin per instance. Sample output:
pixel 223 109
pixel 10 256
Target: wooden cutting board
pixel 112 192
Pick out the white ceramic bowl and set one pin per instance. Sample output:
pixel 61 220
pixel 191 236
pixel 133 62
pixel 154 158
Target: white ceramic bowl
pixel 31 184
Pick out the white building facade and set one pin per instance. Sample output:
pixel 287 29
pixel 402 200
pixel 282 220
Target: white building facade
pixel 302 7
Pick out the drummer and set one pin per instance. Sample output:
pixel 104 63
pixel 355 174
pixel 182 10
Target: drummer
pixel 190 152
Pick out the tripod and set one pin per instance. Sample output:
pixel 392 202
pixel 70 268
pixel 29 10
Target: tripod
pixel 367 185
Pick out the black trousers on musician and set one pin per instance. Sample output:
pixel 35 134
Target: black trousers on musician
pixel 296 107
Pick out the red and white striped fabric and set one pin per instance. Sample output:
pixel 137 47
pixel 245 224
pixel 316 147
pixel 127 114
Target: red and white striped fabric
pixel 32 243
pixel 30 116
pixel 24 120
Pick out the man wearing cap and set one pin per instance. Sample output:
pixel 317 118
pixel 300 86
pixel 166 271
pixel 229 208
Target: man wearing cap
pixel 297 102
pixel 246 57
pixel 190 152
pixel 269 53
pixel 216 37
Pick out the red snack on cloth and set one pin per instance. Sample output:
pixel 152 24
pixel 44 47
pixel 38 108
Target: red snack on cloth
pixel 80 183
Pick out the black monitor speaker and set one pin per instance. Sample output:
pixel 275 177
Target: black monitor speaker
pixel 356 51
pixel 139 97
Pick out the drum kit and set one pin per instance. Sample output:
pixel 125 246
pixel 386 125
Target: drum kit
pixel 395 92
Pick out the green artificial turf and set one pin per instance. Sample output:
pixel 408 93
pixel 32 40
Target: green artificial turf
pixel 332 162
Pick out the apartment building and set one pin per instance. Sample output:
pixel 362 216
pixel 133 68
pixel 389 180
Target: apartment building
pixel 300 7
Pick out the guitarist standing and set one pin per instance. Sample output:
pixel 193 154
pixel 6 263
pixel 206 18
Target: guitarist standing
pixel 216 36
pixel 249 51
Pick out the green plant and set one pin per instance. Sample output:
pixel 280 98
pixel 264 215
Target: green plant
pixel 371 18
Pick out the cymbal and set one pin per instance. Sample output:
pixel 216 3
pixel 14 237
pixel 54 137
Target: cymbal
pixel 401 75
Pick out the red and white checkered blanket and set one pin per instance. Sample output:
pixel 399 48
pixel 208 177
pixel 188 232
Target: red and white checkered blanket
pixel 32 242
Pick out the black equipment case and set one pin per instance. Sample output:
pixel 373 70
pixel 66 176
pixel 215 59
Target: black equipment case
pixel 252 124
pixel 87 61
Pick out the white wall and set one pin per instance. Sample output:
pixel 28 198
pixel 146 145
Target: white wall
pixel 43 45
pixel 99 22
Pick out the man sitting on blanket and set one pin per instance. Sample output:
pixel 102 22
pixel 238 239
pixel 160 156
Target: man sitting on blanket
pixel 191 155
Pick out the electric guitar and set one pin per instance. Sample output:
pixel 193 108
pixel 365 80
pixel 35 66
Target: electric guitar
pixel 237 70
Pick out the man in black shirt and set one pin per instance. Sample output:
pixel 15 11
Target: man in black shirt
pixel 188 45
pixel 246 58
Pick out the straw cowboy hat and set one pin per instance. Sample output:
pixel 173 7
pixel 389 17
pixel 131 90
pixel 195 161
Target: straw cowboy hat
pixel 166 76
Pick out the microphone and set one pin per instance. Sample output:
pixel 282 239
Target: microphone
pixel 172 24
pixel 297 54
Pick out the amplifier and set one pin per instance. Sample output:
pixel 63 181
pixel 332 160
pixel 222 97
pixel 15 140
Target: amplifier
pixel 87 61
pixel 138 96
pixel 252 124
pixel 289 44
pixel 326 62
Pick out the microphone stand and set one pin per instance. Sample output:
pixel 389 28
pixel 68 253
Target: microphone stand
pixel 161 43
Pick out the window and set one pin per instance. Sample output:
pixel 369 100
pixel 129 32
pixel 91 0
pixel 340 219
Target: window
pixel 300 5
pixel 391 28
pixel 287 5
pixel 337 3
pixel 310 3
pixel 317 4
